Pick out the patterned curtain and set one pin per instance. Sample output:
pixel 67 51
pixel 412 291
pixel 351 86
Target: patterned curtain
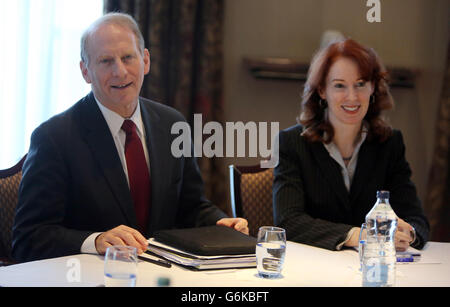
pixel 185 43
pixel 437 205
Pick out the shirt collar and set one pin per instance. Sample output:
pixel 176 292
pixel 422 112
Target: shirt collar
pixel 115 121
pixel 334 151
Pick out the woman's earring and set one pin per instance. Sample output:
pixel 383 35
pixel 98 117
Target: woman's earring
pixel 372 99
pixel 323 103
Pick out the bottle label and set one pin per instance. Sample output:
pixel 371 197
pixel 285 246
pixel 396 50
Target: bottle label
pixel 372 272
pixel 375 273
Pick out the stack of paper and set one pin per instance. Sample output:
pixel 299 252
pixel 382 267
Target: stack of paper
pixel 198 262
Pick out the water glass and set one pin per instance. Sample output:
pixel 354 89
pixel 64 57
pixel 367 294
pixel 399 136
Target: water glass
pixel 270 251
pixel 120 266
pixel 362 243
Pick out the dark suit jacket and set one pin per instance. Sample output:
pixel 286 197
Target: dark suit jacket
pixel 73 182
pixel 309 195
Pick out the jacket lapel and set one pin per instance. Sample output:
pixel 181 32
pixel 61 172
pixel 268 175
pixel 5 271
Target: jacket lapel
pixel 158 146
pixel 331 171
pixel 101 143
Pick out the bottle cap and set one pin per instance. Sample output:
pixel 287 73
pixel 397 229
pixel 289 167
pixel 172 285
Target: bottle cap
pixel 383 194
pixel 163 282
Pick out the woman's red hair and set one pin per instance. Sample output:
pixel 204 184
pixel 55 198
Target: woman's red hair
pixel 312 116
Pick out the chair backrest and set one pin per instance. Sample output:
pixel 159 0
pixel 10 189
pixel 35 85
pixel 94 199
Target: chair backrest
pixel 9 190
pixel 251 195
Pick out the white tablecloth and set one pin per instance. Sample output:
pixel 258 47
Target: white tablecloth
pixel 304 266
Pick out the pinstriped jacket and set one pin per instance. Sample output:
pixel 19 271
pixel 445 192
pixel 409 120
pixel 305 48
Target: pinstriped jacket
pixel 310 199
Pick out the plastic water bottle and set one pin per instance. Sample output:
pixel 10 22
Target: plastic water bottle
pixel 379 257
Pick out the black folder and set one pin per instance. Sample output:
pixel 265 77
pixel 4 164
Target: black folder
pixel 208 241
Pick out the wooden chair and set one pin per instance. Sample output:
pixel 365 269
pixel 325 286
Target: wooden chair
pixel 9 189
pixel 251 195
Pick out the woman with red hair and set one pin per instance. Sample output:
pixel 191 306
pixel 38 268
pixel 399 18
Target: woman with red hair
pixel 341 153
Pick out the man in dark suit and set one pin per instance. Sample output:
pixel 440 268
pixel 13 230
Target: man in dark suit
pixel 102 172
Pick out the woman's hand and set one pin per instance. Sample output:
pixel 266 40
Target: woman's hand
pixel 403 237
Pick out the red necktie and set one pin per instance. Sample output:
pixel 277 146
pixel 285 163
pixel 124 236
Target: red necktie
pixel 138 174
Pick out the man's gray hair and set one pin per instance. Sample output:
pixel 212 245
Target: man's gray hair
pixel 120 19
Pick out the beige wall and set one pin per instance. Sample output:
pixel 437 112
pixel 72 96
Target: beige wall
pixel 412 34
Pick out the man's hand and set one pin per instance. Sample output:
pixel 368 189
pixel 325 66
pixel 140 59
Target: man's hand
pixel 237 223
pixel 121 235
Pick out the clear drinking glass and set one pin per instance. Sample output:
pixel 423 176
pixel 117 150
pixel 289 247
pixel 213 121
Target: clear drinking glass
pixel 362 243
pixel 270 251
pixel 120 266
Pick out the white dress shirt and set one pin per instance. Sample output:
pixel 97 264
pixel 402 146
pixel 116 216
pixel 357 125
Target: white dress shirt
pixel 115 122
pixel 348 171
